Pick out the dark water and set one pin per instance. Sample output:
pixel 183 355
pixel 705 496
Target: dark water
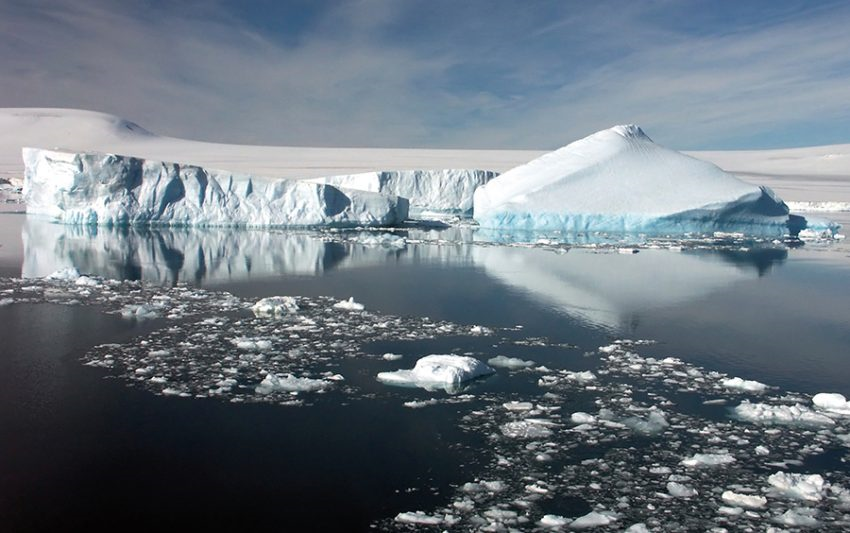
pixel 78 449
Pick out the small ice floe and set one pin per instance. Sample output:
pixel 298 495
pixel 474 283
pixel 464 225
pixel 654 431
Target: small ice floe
pixel 832 402
pixel 678 490
pixel 792 415
pixel 483 486
pixel 438 371
pixel 420 518
pixel 391 356
pixel 529 428
pixel 511 363
pixel 252 344
pixel 653 424
pixel 65 274
pixel 86 281
pixel 627 251
pixel 640 527
pixel 275 306
pixel 386 240
pixel 140 311
pixel 744 385
pixel 580 417
pixel 708 459
pixel 289 383
pixel 349 305
pixel 747 501
pixel 593 519
pixel 809 487
pixel 480 330
pixel 6 301
pixel 798 517
pixel 555 521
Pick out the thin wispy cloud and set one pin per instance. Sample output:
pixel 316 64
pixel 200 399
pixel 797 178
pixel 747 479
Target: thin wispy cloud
pixel 468 74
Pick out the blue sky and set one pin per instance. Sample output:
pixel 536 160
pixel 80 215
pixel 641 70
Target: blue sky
pixel 716 74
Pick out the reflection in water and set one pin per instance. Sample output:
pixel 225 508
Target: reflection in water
pixel 608 290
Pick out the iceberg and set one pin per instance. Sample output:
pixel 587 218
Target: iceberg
pixel 619 180
pixel 109 189
pixel 442 192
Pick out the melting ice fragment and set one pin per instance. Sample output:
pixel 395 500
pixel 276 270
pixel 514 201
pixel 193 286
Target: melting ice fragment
pixel 438 371
pixel 289 383
pixel 832 402
pixel 619 180
pixel 349 305
pixel 275 306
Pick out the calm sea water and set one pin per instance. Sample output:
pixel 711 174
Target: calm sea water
pixel 82 448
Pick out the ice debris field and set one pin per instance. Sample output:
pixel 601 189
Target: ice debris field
pixel 610 440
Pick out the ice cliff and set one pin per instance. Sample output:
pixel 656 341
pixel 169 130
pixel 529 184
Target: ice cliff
pixel 429 191
pixel 619 180
pixel 108 189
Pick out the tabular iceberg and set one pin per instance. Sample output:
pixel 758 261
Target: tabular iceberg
pixel 447 191
pixel 619 180
pixel 109 189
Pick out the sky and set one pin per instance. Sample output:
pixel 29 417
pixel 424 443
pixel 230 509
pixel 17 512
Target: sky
pixel 524 74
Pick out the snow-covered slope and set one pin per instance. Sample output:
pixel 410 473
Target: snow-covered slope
pixel 619 180
pixel 75 130
pixel 94 188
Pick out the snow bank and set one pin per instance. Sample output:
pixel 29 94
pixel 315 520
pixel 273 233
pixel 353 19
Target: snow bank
pixel 108 189
pixel 619 180
pixel 429 191
pixel 438 372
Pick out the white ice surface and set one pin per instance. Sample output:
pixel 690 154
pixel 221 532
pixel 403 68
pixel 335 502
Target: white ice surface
pixel 108 189
pixel 438 371
pixel 810 487
pixel 619 180
pixel 275 306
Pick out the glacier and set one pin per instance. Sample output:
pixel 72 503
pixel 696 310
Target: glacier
pixel 619 180
pixel 110 189
pixel 441 192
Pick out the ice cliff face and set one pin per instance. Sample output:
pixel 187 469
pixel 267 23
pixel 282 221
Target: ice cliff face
pixel 429 191
pixel 107 189
pixel 619 180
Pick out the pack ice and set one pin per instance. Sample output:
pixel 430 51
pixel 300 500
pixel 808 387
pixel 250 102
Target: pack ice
pixel 109 189
pixel 620 180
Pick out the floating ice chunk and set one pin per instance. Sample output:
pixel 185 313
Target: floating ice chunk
pixel 593 519
pixel 349 305
pixel 810 487
pixel 619 180
pixel 580 377
pixel 250 344
pixel 386 240
pixel 798 517
pixel 86 281
pixel 275 306
pixel 748 501
pixel 708 459
pixel 653 424
pixel 65 274
pixel 438 371
pixel 512 363
pixel 391 356
pixel 744 384
pixel 678 490
pixel 640 527
pixel 530 428
pixel 832 402
pixel 483 486
pixel 420 518
pixel 781 414
pixel 518 406
pixel 6 301
pixel 553 520
pixel 580 417
pixel 762 450
pixel 289 383
pixel 140 311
